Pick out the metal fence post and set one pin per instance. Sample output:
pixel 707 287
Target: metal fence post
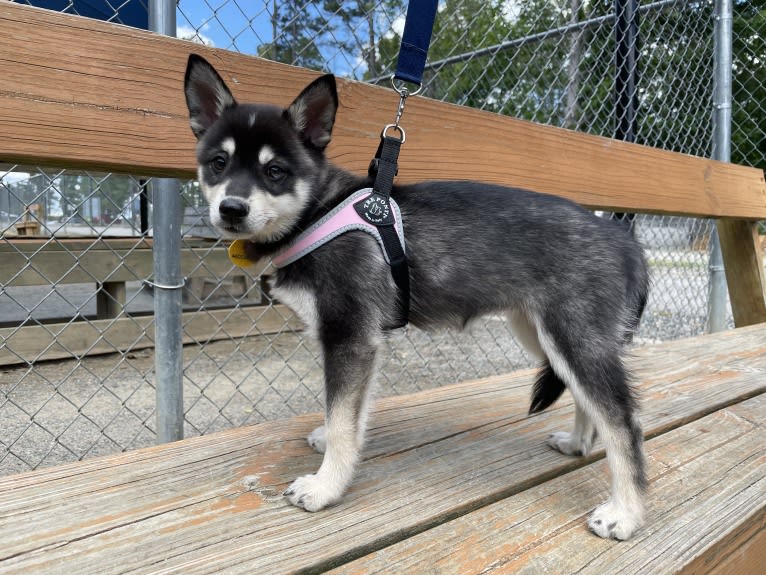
pixel 722 101
pixel 626 78
pixel 166 224
pixel 626 70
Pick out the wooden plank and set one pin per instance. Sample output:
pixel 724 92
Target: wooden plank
pixel 212 504
pixel 749 557
pixel 707 499
pixel 743 262
pixel 45 266
pixel 113 101
pixel 30 246
pixel 110 299
pixel 76 339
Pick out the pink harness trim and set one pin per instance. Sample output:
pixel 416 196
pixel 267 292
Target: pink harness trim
pixel 343 218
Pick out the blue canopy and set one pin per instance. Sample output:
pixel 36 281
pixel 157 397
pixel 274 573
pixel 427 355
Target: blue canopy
pixel 131 13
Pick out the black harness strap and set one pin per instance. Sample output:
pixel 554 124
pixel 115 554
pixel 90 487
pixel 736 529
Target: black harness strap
pixel 384 168
pixel 376 209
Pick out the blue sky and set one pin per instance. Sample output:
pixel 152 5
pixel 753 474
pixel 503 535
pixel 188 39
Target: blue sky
pixel 244 25
pixel 241 26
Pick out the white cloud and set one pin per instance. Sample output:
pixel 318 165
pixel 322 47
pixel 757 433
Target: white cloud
pixel 13 177
pixel 397 27
pixel 195 35
pixel 511 10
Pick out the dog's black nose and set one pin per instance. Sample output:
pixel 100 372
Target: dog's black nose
pixel 233 209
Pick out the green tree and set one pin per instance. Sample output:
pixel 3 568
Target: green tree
pixel 114 193
pixel 560 79
pixel 356 34
pixel 515 81
pixel 297 31
pixel 749 83
pixel 461 26
pixel 329 34
pixel 359 28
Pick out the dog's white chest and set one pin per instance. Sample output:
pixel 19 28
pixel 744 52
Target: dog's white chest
pixel 302 302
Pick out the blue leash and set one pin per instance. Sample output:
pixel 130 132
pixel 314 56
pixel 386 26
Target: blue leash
pixel 410 66
pixel 415 41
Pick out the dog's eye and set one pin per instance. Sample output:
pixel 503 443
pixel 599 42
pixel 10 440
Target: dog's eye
pixel 219 162
pixel 275 173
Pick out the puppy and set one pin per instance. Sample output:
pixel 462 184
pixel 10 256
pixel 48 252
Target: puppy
pixel 572 285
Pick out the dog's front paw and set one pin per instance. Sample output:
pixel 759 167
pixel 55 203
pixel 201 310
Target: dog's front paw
pixel 611 521
pixel 312 494
pixel 318 439
pixel 566 444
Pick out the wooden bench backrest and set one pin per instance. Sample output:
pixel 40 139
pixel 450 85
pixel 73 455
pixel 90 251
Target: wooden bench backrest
pixel 87 94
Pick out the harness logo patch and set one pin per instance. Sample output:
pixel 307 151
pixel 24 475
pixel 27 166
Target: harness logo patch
pixel 376 210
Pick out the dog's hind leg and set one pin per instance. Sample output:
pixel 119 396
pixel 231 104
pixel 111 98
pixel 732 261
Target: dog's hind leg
pixel 349 371
pixel 548 387
pixel 594 373
pixel 580 440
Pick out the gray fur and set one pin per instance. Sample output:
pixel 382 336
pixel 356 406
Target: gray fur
pixel 573 284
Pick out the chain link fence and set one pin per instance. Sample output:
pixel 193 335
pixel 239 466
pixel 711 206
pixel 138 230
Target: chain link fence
pixel 76 311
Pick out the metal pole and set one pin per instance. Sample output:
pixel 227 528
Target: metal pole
pixel 626 77
pixel 168 282
pixel 162 17
pixel 574 59
pixel 717 300
pixel 626 69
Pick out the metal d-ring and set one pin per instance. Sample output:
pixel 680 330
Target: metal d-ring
pixel 396 127
pixel 402 90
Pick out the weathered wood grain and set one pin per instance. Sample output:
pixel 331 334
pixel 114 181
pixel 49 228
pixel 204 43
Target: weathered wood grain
pixel 113 101
pixel 211 504
pixel 707 499
pixel 745 277
pixel 41 262
pixel 65 340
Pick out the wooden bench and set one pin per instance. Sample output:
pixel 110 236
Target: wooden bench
pixel 455 480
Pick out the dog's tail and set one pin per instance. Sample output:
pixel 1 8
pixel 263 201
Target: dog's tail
pixel 637 294
pixel 548 388
pixel 639 304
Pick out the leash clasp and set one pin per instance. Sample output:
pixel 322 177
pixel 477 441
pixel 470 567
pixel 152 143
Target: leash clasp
pixel 404 93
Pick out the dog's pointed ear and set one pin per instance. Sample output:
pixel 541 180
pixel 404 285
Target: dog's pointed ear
pixel 206 94
pixel 313 111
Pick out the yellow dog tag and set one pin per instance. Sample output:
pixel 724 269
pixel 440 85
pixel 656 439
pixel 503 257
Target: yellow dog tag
pixel 238 255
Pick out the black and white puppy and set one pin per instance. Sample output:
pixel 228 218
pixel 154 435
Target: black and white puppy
pixel 572 285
